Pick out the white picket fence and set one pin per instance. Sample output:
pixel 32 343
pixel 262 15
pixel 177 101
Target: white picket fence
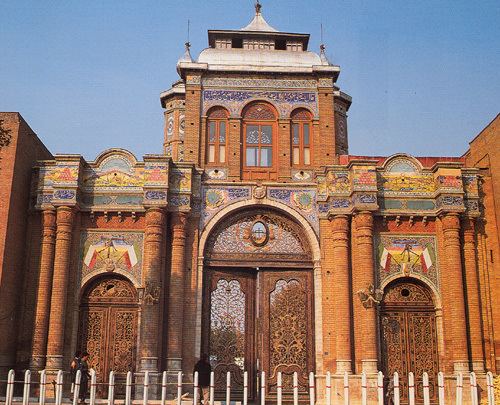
pixel 145 385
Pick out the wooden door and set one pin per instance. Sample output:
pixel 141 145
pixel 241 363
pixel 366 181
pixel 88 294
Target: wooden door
pixel 286 341
pixel 409 338
pixel 229 327
pixel 108 328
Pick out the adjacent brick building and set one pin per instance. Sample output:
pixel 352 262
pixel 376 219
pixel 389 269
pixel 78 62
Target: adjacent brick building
pixel 255 237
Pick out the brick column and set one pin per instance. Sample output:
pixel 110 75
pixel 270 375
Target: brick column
pixel 365 319
pixel 176 292
pixel 472 287
pixel 342 297
pixel 453 260
pixel 150 316
pixel 55 343
pixel 48 241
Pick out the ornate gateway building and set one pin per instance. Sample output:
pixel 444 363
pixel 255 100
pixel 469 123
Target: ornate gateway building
pixel 255 237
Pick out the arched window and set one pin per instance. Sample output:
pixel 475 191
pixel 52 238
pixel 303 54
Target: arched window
pixel 301 137
pixel 259 127
pixel 217 135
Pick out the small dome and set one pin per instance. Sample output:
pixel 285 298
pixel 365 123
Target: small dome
pixel 186 57
pixel 258 23
pixel 258 57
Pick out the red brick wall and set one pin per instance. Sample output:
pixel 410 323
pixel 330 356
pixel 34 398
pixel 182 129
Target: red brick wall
pixel 17 160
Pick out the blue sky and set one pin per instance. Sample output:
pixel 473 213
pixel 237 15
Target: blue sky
pixel 86 75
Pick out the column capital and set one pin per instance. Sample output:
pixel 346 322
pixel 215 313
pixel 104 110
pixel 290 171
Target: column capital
pixel 49 218
pixel 468 224
pixel 179 221
pixel 155 216
pixel 363 220
pixel 450 221
pixel 65 215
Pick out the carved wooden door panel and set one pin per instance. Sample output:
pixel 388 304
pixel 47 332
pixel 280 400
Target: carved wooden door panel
pixel 108 329
pixel 286 338
pixel 229 327
pixel 409 337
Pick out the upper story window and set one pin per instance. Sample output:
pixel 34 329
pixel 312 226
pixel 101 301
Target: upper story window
pixel 217 135
pixel 301 137
pixel 259 128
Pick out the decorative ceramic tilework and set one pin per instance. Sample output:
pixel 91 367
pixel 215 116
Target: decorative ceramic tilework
pixel 259 83
pixel 156 174
pixel 334 204
pixel 91 200
pixel 217 174
pixel 407 255
pixel 470 184
pixel 44 198
pixel 333 183
pixel 179 201
pixel 105 252
pixel 180 181
pixel 366 199
pixel 64 195
pixel 235 239
pixel 216 198
pixel 285 101
pixel 155 195
pixel 449 182
pixel 303 201
pixel 61 175
pixel 115 172
pixel 450 201
pixel 364 178
pixel 406 183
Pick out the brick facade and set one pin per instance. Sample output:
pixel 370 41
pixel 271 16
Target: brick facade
pixel 358 225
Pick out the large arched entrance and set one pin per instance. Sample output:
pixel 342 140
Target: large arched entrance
pixel 108 325
pixel 258 301
pixel 409 337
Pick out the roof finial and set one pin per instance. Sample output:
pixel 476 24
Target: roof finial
pixel 258 6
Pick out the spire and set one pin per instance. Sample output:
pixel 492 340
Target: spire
pixel 186 57
pixel 258 23
pixel 322 55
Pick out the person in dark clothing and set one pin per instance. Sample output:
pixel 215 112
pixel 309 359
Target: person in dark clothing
pixel 75 363
pixel 85 375
pixel 204 369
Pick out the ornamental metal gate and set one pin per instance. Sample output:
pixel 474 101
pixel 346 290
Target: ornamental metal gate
pixel 409 338
pixel 259 321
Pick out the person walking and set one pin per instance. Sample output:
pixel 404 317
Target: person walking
pixel 85 375
pixel 75 363
pixel 204 370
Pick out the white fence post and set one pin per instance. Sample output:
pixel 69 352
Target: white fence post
pixel 396 388
pixel 179 388
pixel 363 389
pixel 43 384
pixel 411 388
pixel 262 388
pixel 26 388
pixel 311 388
pixel 279 389
pixel 490 388
pixel 425 382
pixel 473 389
pixel 59 387
pixel 195 388
pixel 295 388
pixel 128 389
pixel 346 388
pixel 212 388
pixel 460 387
pixel 76 387
pixel 380 388
pixel 441 388
pixel 10 387
pixel 328 388
pixel 145 392
pixel 111 388
pixel 163 388
pixel 93 386
pixel 228 388
pixel 245 388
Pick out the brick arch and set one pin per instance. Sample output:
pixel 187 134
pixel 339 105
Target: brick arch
pixel 397 278
pixel 217 112
pixel 249 108
pixel 301 114
pixel 316 259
